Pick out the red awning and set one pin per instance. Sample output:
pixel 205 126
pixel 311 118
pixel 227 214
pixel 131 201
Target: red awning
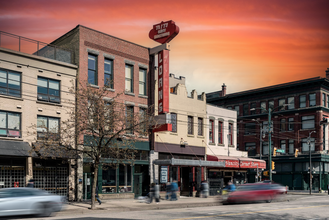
pixel 238 162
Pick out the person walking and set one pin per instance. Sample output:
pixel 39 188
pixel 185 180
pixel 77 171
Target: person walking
pixel 151 193
pixel 168 190
pixel 97 197
pixel 157 193
pixel 174 188
pixel 205 189
pixel 30 183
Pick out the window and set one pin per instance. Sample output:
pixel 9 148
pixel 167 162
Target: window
pixel 129 78
pixel 48 90
pixel 291 102
pixel 125 178
pixel 250 146
pixel 211 131
pixel 328 101
pixel 283 145
pixel 92 69
pixel 190 124
pixel 271 104
pixel 10 83
pixel 230 134
pixel 283 124
pixel 291 147
pixel 47 127
pixel 142 118
pixel 245 109
pixel 108 73
pixel 305 145
pixel 220 132
pixel 302 101
pixel 109 179
pixel 142 81
pixel 237 109
pixel 253 106
pixel 250 129
pixel 130 119
pixel 323 99
pixel 229 107
pixel 265 148
pixel 174 122
pixel 308 122
pixel 200 126
pixel 282 102
pixel 312 101
pixel 290 124
pixel 263 107
pixel 10 124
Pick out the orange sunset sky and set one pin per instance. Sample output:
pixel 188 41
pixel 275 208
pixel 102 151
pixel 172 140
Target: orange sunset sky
pixel 244 44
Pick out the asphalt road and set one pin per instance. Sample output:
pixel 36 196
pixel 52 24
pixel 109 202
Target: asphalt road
pixel 308 207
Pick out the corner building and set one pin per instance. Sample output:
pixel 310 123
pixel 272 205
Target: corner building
pixel 103 58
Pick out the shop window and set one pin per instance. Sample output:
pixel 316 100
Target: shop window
pixel 10 83
pixel 142 81
pixel 108 73
pixel 10 124
pixel 129 73
pixel 211 131
pixel 48 90
pixel 302 101
pixel 190 124
pixel 125 178
pixel 92 69
pixel 220 132
pixel 47 128
pixel 109 181
pixel 312 101
pixel 200 126
pixel 291 102
pixel 308 122
pixel 174 122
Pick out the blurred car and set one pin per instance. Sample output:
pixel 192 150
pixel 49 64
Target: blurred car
pixel 254 192
pixel 29 201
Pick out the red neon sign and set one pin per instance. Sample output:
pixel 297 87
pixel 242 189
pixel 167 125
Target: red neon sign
pixel 163 81
pixel 164 32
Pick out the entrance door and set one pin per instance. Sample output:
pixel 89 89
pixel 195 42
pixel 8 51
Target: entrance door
pixel 138 181
pixel 187 177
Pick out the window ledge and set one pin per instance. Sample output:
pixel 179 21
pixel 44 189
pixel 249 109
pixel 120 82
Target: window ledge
pixel 11 97
pixel 173 133
pixel 93 86
pixel 143 96
pixel 49 103
pixel 222 145
pixel 214 144
pixel 109 89
pixel 190 135
pixel 231 146
pixel 11 138
pixel 129 93
pixel 200 136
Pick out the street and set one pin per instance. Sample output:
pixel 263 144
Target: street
pixel 306 207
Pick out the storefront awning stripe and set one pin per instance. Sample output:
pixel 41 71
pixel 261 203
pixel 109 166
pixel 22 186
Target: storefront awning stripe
pixel 182 162
pixel 238 162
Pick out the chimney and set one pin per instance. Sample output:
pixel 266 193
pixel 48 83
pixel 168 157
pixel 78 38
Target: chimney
pixel 224 89
pixel 327 73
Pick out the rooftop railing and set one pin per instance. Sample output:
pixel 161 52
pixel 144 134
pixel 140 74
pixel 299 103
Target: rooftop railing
pixel 34 47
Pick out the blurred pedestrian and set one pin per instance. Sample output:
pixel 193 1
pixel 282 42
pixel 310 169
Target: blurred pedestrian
pixel 328 189
pixel 230 187
pixel 30 183
pixel 168 190
pixel 97 196
pixel 174 188
pixel 157 193
pixel 204 189
pixel 151 194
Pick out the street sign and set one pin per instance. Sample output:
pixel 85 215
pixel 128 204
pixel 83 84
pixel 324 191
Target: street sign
pixel 281 151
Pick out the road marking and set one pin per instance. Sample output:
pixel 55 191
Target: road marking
pixel 243 213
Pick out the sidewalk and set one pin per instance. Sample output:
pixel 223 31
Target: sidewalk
pixel 307 192
pixel 122 205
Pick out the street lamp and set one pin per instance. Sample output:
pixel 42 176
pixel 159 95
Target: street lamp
pixel 269 112
pixel 309 147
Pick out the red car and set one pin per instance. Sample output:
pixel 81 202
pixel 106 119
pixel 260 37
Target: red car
pixel 255 192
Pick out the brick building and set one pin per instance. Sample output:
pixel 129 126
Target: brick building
pixel 103 58
pixel 298 108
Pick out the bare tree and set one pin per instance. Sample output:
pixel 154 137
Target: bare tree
pixel 100 128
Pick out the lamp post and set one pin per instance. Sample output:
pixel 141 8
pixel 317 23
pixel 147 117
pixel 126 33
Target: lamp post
pixel 309 147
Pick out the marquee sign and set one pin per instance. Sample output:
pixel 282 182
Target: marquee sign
pixel 164 32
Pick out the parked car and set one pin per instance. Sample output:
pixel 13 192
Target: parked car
pixel 255 192
pixel 29 201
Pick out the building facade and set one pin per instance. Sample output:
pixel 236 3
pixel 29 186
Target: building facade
pixel 298 112
pixel 34 93
pixel 124 66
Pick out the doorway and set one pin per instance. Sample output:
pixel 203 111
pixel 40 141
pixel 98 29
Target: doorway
pixel 138 181
pixel 186 179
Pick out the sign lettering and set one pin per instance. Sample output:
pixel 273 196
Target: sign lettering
pixel 164 32
pixel 163 82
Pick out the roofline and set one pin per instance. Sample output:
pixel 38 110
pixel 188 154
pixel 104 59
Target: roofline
pixel 79 25
pixel 268 87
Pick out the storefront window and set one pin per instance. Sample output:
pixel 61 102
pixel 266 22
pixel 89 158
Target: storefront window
pixel 109 180
pixel 125 178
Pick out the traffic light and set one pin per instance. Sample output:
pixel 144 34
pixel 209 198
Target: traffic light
pixel 273 165
pixel 296 153
pixel 274 152
pixel 265 173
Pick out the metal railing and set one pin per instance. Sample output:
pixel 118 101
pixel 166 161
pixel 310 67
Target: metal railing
pixel 34 47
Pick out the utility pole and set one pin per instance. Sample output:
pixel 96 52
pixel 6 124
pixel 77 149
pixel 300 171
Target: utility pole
pixel 270 143
pixel 309 147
